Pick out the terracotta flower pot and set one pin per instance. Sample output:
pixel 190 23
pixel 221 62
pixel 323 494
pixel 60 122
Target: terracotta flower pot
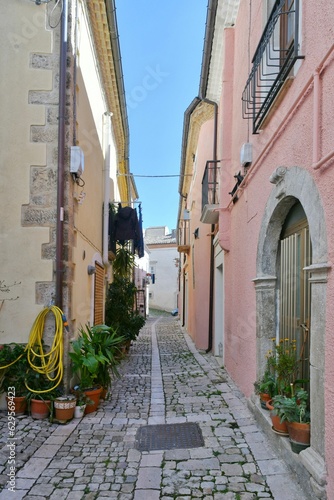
pixel 264 398
pixel 17 404
pixel 299 433
pixel 278 426
pixel 94 395
pixel 40 408
pixel 64 409
pixel 104 393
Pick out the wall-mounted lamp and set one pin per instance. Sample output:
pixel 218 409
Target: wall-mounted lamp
pixel 91 270
pixel 39 2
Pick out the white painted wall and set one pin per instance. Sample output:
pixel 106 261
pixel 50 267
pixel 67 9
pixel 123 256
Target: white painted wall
pixel 163 293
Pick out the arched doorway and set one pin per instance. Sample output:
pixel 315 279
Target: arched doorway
pixel 295 185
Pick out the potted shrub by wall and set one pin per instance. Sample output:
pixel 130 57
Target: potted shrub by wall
pixel 121 314
pixel 93 359
pixel 295 411
pixel 41 393
pixel 13 370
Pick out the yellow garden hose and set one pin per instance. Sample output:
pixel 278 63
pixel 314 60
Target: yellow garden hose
pixel 48 363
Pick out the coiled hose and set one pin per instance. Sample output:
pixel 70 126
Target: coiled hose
pixel 49 364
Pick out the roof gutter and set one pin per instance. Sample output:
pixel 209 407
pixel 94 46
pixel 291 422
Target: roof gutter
pixel 207 49
pixel 116 53
pixel 61 158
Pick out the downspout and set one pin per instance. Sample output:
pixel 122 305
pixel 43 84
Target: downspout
pixel 212 250
pixel 61 157
pixel 316 116
pixel 208 43
pixel 106 123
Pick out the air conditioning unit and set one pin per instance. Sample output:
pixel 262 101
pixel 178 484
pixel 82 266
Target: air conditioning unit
pixel 246 154
pixel 77 161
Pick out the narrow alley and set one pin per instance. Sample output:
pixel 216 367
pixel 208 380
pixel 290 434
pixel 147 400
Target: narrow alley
pixel 175 427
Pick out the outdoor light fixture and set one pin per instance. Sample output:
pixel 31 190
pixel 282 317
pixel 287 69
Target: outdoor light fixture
pixel 39 2
pixel 91 270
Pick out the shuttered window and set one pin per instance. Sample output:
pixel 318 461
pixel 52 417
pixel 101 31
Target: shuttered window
pixel 98 294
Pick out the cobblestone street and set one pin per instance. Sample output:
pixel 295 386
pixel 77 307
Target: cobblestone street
pixel 165 382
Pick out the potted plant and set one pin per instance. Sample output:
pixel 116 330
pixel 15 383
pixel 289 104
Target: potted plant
pixel 81 402
pixel 283 363
pixel 13 371
pixel 64 407
pixel 41 393
pixel 94 360
pixel 295 411
pixel 121 314
pixel 266 388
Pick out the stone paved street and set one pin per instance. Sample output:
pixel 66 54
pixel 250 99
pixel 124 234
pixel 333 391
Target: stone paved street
pixel 164 380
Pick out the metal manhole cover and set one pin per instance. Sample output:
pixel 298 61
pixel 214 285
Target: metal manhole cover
pixel 169 436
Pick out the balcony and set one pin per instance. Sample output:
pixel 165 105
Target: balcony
pixel 183 240
pixel 273 61
pixel 210 193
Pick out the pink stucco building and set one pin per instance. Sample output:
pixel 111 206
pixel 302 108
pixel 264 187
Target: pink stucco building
pixel 256 221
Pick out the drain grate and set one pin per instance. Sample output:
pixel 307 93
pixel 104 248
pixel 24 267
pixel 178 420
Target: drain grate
pixel 169 436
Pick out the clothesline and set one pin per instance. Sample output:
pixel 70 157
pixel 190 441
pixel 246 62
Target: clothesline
pixel 172 175
pixel 127 201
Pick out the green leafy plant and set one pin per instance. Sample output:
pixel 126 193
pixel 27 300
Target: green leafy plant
pixel 94 355
pixel 124 262
pixel 294 408
pixel 14 375
pixel 120 313
pixel 283 364
pixel 266 385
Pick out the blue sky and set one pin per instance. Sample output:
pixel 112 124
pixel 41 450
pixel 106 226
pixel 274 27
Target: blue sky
pixel 161 46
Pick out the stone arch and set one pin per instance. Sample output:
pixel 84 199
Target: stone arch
pixel 290 185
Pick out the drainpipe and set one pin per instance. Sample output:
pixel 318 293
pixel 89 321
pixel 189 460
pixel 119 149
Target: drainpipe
pixel 316 116
pixel 106 123
pixel 212 250
pixel 61 157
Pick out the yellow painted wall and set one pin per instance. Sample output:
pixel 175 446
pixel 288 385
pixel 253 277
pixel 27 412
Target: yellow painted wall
pixel 22 32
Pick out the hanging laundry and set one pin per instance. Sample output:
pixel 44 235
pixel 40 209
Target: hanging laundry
pixel 139 244
pixel 111 231
pixel 126 225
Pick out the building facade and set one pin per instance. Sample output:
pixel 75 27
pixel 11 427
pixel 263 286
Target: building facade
pixel 163 268
pixel 260 199
pixel 64 138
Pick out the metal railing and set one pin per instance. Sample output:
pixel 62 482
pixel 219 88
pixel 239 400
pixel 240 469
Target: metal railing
pixel 274 58
pixel 210 184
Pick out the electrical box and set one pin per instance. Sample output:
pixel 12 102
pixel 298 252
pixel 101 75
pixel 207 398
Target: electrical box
pixel 77 161
pixel 246 154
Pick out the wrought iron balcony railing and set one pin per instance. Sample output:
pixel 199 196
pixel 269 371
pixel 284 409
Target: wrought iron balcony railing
pixel 273 61
pixel 210 191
